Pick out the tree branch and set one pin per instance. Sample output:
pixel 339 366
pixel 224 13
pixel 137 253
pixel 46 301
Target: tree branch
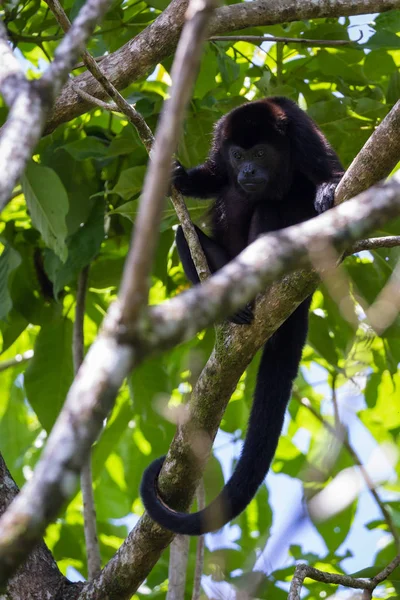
pixel 389 241
pixel 260 39
pixel 30 101
pixel 134 286
pixel 303 571
pixel 17 360
pixel 155 43
pixel 175 320
pixel 89 510
pixel 370 166
pixel 178 561
pixel 201 503
pixel 109 360
pixel 357 461
pixel 39 577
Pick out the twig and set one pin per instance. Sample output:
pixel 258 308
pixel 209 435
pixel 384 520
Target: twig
pixel 81 64
pixel 89 510
pixel 135 118
pixel 260 39
pixel 17 360
pixel 338 433
pixel 144 132
pixel 201 502
pixel 109 106
pixel 302 571
pixel 389 241
pixel 134 287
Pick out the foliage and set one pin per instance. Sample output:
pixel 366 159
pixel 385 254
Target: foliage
pixel 76 206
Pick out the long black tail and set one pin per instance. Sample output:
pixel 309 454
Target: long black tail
pixel 278 368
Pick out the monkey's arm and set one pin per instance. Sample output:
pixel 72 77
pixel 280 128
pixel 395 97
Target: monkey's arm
pixel 203 181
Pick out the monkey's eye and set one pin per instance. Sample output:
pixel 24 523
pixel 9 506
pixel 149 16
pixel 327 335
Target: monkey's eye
pixel 259 153
pixel 236 154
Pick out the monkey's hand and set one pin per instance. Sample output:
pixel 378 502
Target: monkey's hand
pixel 244 316
pixel 325 196
pixel 181 179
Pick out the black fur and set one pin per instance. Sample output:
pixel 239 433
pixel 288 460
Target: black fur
pixel 294 180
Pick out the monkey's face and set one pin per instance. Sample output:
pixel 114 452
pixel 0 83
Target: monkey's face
pixel 254 168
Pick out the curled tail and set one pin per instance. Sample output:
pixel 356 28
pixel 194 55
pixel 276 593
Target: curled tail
pixel 278 368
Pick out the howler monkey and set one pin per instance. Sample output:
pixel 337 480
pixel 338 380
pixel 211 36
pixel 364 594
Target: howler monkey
pixel 269 167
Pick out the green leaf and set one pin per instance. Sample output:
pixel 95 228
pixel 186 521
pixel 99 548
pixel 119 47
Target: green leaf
pixel 82 248
pixel 130 182
pixel 383 39
pixel 47 202
pixel 9 261
pixel 393 91
pixel 88 147
pixel 377 64
pixel 50 372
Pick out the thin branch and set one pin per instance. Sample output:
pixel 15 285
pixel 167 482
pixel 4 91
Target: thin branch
pixel 201 502
pixel 89 510
pixel 178 560
pixel 109 106
pixel 145 134
pixel 17 360
pixel 303 571
pixel 260 39
pixel 389 241
pixel 135 118
pixel 134 286
pixel 338 433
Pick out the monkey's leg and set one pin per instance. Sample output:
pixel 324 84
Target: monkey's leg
pixel 217 258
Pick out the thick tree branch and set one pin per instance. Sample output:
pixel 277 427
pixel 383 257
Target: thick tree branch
pixel 39 577
pixel 371 165
pixel 33 512
pixel 108 361
pixel 173 321
pixel 134 286
pixel 158 41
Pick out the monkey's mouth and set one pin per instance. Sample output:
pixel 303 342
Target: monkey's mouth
pixel 252 186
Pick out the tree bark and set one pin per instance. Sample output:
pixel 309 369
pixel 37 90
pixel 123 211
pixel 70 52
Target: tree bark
pixel 158 41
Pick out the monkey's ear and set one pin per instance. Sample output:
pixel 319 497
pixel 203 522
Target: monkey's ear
pixel 281 123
